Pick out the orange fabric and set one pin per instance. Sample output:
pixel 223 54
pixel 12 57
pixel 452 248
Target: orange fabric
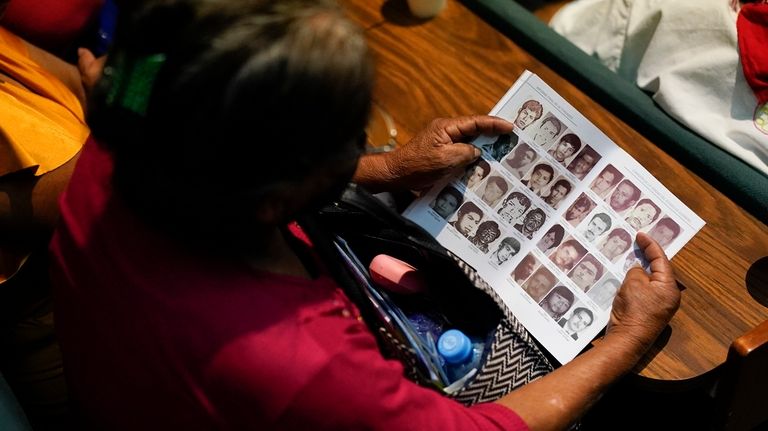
pixel 43 125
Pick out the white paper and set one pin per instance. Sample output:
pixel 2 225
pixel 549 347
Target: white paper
pixel 589 254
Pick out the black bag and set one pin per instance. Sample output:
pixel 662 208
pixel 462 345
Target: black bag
pixel 360 224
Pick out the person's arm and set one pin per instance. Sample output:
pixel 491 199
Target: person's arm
pixel 642 308
pixel 66 73
pixel 79 79
pixel 432 154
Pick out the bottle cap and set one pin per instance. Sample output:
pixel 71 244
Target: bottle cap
pixel 454 346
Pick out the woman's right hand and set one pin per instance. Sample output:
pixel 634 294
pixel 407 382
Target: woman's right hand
pixel 645 302
pixel 90 68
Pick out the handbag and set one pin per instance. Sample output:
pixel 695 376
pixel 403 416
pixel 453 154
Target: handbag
pixel 351 231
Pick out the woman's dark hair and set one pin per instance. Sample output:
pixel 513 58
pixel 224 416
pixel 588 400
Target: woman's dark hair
pixel 250 98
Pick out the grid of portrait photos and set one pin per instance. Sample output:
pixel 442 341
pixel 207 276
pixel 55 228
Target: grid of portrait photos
pixel 548 216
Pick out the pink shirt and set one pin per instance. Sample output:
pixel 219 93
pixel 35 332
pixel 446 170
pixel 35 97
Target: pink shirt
pixel 154 338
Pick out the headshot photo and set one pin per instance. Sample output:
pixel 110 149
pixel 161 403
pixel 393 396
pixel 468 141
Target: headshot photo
pixel 532 222
pixel 557 192
pixel 568 145
pixel 643 214
pixel 539 178
pixel 467 219
pixel 513 207
pixel 635 257
pixel 551 239
pixel 583 163
pixel 446 202
pixel 567 254
pixel 494 189
pixel 502 145
pixel 525 268
pixel 508 247
pixel 528 113
pixel 665 231
pixel 557 302
pixel 539 284
pixel 544 135
pixel 521 160
pixel 486 233
pixel 604 292
pixel 476 173
pixel 586 272
pixel 615 244
pixel 624 196
pixel 579 209
pixel 597 226
pixel 580 319
pixel 605 181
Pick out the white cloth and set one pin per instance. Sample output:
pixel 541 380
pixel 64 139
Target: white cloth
pixel 685 53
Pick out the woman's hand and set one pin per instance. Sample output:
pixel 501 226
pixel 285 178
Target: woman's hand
pixel 645 303
pixel 433 153
pixel 90 68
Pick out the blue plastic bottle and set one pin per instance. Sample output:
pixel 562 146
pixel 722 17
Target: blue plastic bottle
pixel 426 325
pixel 461 354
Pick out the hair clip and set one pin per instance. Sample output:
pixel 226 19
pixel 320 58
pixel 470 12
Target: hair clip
pixel 131 81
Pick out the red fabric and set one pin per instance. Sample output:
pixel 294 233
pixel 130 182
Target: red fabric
pixel 154 338
pixel 50 24
pixel 752 25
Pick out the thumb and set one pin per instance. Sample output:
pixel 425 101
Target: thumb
pixel 461 154
pixel 84 58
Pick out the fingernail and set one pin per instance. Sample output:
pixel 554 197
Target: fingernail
pixel 476 151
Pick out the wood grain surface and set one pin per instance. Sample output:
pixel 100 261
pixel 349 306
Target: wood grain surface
pixel 456 64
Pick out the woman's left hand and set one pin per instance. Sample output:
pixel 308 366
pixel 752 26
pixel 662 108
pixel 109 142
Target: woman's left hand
pixel 433 153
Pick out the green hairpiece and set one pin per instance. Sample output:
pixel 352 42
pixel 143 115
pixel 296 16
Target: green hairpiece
pixel 131 81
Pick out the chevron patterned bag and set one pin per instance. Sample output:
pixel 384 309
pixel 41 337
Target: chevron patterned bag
pixel 359 224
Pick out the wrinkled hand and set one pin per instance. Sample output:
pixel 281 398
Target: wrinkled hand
pixel 90 68
pixel 433 153
pixel 645 303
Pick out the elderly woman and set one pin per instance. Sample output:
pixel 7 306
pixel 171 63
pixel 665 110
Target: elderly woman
pixel 187 298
